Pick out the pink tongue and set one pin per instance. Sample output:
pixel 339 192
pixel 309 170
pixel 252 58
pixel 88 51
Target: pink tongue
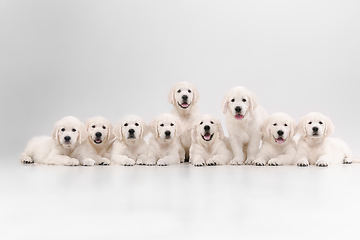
pixel 97 141
pixel 184 105
pixel 280 141
pixel 239 116
pixel 207 136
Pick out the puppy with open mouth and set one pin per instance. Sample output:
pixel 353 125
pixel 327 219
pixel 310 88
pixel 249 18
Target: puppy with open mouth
pixel 209 146
pixel 129 146
pixel 164 145
pixel 315 147
pixel 278 146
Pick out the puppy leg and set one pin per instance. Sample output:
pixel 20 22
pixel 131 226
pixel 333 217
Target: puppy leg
pixel 100 160
pixel 302 162
pixel 237 148
pixel 25 159
pixel 122 160
pixel 182 154
pixel 252 149
pixel 62 160
pixel 285 159
pixel 323 161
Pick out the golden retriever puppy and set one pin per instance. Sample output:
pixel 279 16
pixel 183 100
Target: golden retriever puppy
pixel 129 146
pixel 100 138
pixel 184 96
pixel 67 146
pixel 208 143
pixel 315 147
pixel 278 146
pixel 164 144
pixel 243 118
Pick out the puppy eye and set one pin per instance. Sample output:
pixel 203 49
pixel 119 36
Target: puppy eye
pixel 211 122
pixel 136 124
pixel 244 100
pixel 104 127
pixel 233 100
pixel 285 125
pixel 310 122
pixel 275 124
pixel 125 124
pixel 161 125
pixel 74 130
pixel 179 91
pixel 93 126
pixel 320 122
pixel 189 91
pixel 171 124
pixel 63 129
pixel 201 123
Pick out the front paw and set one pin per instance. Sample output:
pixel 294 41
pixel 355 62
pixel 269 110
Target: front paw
pixel 72 162
pixel 211 162
pixel 274 162
pixel 163 162
pixel 141 161
pixel 128 162
pixel 237 161
pixel 198 162
pixel 259 162
pixel 88 162
pixel 347 161
pixel 104 161
pixel 250 161
pixel 303 162
pixel 321 163
pixel 27 160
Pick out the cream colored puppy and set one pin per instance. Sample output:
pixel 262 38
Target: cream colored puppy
pixel 315 147
pixel 278 146
pixel 184 96
pixel 208 143
pixel 67 146
pixel 164 144
pixel 243 118
pixel 100 138
pixel 129 146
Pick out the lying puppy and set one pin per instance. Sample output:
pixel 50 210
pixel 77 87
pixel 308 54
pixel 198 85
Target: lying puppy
pixel 183 96
pixel 65 147
pixel 208 143
pixel 100 138
pixel 278 146
pixel 316 147
pixel 244 119
pixel 164 144
pixel 129 146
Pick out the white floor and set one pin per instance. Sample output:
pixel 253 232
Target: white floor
pixel 178 202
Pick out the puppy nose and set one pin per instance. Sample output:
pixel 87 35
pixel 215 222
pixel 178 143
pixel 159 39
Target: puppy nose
pixel 167 133
pixel 280 133
pixel 207 128
pixel 238 109
pixel 315 129
pixel 67 138
pixel 98 134
pixel 131 131
pixel 184 97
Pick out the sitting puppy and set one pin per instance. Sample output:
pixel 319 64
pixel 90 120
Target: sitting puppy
pixel 129 146
pixel 100 138
pixel 65 147
pixel 278 146
pixel 316 147
pixel 208 143
pixel 184 96
pixel 164 144
pixel 244 119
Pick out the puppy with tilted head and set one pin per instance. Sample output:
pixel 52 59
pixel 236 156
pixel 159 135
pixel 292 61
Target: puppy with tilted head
pixel 67 146
pixel 129 146
pixel 100 138
pixel 243 118
pixel 315 147
pixel 208 143
pixel 278 146
pixel 164 144
pixel 184 96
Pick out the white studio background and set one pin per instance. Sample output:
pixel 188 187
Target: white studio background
pixel 112 58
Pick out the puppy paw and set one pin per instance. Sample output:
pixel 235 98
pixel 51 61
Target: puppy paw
pixel 347 161
pixel 198 163
pixel 273 162
pixel 236 161
pixel 88 162
pixel 321 163
pixel 250 161
pixel 27 160
pixel 104 161
pixel 72 162
pixel 303 162
pixel 128 162
pixel 163 162
pixel 259 162
pixel 211 162
pixel 141 162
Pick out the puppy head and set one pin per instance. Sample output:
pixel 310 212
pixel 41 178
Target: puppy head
pixel 165 127
pixel 99 129
pixel 207 130
pixel 183 95
pixel 315 125
pixel 239 101
pixel 278 128
pixel 131 128
pixel 69 132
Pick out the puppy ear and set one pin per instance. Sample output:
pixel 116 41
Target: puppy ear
pixel 83 135
pixel 171 96
pixel 300 129
pixel 144 130
pixel 193 134
pixel 110 133
pixel 253 104
pixel 55 133
pixel 117 131
pixel 220 129
pixel 178 127
pixel 265 129
pixel 292 128
pixel 329 127
pixel 153 127
pixel 87 123
pixel 195 95
pixel 225 103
